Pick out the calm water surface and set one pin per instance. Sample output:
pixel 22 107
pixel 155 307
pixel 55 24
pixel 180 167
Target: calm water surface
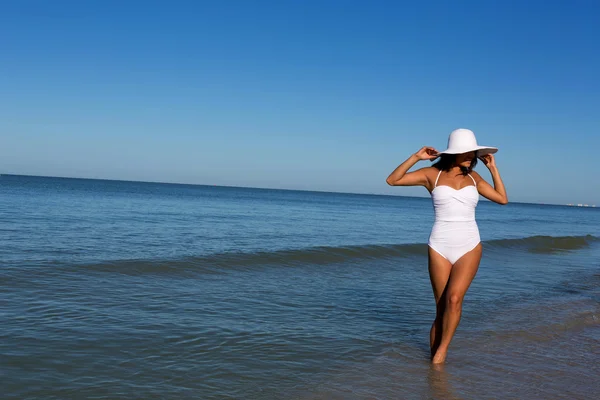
pixel 140 290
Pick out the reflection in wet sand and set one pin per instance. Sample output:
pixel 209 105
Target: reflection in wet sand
pixel 439 383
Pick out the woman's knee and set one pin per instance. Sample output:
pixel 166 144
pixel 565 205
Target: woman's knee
pixel 454 301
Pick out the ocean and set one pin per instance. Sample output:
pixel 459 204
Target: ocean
pixel 131 290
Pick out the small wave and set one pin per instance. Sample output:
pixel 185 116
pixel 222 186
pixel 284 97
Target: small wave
pixel 221 263
pixel 546 244
pixel 559 318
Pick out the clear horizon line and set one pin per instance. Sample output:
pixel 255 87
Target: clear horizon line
pixel 262 188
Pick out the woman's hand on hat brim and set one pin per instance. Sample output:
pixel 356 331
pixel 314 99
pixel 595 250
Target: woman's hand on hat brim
pixel 488 160
pixel 427 153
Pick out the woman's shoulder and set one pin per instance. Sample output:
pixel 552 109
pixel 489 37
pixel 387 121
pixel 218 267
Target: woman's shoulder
pixel 430 171
pixel 476 176
pixel 431 168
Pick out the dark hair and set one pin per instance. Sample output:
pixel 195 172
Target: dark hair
pixel 447 161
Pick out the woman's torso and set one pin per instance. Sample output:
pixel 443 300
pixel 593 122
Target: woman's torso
pixel 454 205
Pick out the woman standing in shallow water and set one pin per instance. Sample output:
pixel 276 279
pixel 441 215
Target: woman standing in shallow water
pixel 454 244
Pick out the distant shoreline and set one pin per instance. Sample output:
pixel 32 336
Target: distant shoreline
pixel 267 188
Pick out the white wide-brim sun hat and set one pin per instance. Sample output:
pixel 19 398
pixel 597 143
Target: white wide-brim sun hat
pixel 464 141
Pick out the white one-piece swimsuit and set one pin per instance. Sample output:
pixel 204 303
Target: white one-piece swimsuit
pixel 454 231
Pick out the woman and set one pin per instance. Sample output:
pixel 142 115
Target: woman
pixel 454 244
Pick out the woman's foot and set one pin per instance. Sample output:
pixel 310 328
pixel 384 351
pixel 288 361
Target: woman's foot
pixel 432 351
pixel 440 356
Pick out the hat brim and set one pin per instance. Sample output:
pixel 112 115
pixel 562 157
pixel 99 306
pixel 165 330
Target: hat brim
pixel 481 150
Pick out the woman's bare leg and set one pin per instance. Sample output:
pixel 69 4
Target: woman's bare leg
pixel 461 276
pixel 439 272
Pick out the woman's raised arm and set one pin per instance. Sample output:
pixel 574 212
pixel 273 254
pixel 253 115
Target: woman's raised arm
pixel 497 193
pixel 400 177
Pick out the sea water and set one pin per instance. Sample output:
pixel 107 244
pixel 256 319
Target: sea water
pixel 133 290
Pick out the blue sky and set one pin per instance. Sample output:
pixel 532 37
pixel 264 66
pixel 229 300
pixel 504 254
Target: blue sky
pixel 319 95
